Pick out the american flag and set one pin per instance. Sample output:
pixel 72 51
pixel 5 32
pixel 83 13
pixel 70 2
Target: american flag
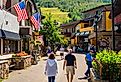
pixel 21 11
pixel 35 19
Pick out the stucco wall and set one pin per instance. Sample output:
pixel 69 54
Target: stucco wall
pixel 9 21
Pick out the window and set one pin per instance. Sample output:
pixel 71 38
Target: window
pixel 10 46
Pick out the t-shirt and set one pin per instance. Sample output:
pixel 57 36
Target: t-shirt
pixel 89 57
pixel 70 60
pixel 49 51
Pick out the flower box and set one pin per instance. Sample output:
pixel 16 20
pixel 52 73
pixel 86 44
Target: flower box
pixel 22 62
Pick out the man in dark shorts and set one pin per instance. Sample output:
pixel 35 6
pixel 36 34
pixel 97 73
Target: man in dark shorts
pixel 70 63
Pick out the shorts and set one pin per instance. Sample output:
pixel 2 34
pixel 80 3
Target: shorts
pixel 70 69
pixel 61 54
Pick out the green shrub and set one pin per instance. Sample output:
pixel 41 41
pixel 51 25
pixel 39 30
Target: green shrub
pixel 111 62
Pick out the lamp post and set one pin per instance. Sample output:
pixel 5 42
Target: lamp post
pixel 113 32
pixel 95 26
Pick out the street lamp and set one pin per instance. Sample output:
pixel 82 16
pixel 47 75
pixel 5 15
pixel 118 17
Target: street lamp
pixel 113 32
pixel 95 26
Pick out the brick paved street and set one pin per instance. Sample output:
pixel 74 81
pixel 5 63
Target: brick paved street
pixel 35 72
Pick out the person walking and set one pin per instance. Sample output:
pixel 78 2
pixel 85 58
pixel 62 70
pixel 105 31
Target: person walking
pixel 89 60
pixel 62 52
pixel 51 68
pixel 48 51
pixel 70 64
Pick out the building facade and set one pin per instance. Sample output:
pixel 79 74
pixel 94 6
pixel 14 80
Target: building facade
pixel 15 36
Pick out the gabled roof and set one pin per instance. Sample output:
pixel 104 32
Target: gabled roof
pixel 117 8
pixel 72 24
pixel 107 7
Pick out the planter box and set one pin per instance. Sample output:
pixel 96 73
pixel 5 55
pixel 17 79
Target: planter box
pixel 22 62
pixel 95 77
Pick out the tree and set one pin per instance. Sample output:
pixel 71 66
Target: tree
pixel 52 32
pixel 74 7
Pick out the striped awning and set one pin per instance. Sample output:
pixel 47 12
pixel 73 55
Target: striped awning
pixel 85 33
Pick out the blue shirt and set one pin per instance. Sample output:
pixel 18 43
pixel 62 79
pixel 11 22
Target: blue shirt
pixel 89 57
pixel 49 51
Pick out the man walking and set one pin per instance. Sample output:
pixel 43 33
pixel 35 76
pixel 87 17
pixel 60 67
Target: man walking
pixel 70 63
pixel 89 60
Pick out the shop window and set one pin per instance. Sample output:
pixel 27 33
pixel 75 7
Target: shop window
pixel 6 48
pixel 10 46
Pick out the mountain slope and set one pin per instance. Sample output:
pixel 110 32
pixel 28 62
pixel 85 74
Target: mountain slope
pixel 74 7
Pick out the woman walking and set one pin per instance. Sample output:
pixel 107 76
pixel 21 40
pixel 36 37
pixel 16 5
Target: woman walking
pixel 51 68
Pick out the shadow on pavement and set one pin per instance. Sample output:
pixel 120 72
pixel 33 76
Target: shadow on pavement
pixel 81 78
pixel 87 78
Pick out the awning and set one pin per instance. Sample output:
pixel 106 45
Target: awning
pixel 86 29
pixel 25 36
pixel 10 35
pixel 86 33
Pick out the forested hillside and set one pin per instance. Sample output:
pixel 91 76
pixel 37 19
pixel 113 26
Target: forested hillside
pixel 57 15
pixel 74 7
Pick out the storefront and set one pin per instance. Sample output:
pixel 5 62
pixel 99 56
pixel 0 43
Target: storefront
pixel 82 40
pixel 26 36
pixel 10 39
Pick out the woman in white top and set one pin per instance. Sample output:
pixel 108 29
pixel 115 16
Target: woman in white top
pixel 51 68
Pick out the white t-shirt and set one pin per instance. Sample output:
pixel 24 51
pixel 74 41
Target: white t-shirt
pixel 61 49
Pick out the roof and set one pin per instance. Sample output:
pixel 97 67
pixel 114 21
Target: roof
pixel 108 7
pixel 72 24
pixel 89 18
pixel 117 8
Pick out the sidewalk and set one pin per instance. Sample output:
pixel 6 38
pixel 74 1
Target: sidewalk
pixel 35 73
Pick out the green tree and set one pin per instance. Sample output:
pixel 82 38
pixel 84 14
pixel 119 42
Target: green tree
pixel 52 32
pixel 74 7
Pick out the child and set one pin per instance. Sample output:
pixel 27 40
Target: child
pixel 51 68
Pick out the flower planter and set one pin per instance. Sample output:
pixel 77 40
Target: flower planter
pixel 22 62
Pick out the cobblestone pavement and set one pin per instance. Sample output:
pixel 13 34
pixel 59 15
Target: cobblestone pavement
pixel 35 73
